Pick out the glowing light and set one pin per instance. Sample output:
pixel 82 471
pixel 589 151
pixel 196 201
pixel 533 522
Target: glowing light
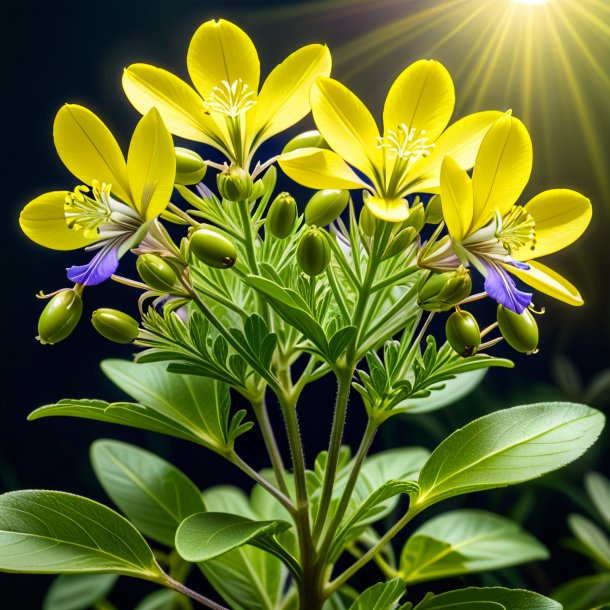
pixel 530 2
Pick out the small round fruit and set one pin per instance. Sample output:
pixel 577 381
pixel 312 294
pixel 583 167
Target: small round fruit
pixel 115 325
pixel 212 248
pixel 60 317
pixel 313 251
pixel 519 330
pixel 463 333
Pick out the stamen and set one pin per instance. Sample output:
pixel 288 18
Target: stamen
pixel 516 229
pixel 406 143
pixel 231 99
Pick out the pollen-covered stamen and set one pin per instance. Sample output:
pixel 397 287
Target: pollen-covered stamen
pixel 516 229
pixel 407 144
pixel 231 99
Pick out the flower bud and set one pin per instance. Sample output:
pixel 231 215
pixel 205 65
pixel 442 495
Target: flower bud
pixel 313 251
pixel 190 168
pixel 463 333
pixel 416 217
pixel 155 272
pixel 399 243
pixel 307 139
pixel 258 190
pixel 234 184
pixel 367 222
pixel 115 325
pixel 212 248
pixel 282 215
pixel 519 330
pixel 434 210
pixel 60 317
pixel 325 206
pixel 441 291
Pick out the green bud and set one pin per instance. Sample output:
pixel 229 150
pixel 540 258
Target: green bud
pixel 325 206
pixel 212 248
pixel 190 168
pixel 441 291
pixel 155 272
pixel 307 139
pixel 115 325
pixel 434 210
pixel 313 251
pixel 60 317
pixel 367 222
pixel 282 215
pixel 416 218
pixel 463 333
pixel 519 330
pixel 399 243
pixel 258 190
pixel 234 184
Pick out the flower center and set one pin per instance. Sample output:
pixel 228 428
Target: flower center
pixel 231 99
pixel 405 143
pixel 516 229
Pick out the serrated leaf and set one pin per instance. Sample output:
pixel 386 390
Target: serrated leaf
pixel 382 596
pixel 488 598
pixel 78 591
pixel 507 447
pixel 584 593
pixel 54 532
pixel 154 495
pixel 592 537
pixel 464 541
pixel 204 536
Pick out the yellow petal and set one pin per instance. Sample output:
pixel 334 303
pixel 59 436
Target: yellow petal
pixel 541 278
pixel 284 96
pixel 180 106
pixel 44 222
pixel 561 216
pixel 422 97
pixel 220 51
pixel 461 141
pixel 501 170
pixel 456 198
pixel 346 124
pixel 318 168
pixel 151 165
pixel 89 150
pixel 390 210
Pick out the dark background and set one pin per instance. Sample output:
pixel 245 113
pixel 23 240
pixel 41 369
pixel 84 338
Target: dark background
pixel 56 52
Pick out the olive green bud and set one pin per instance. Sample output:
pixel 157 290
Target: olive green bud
pixel 115 325
pixel 463 333
pixel 155 272
pixel 234 184
pixel 434 210
pixel 307 139
pixel 313 251
pixel 282 215
pixel 258 190
pixel 190 167
pixel 60 317
pixel 367 222
pixel 212 248
pixel 416 218
pixel 399 243
pixel 441 291
pixel 519 330
pixel 325 206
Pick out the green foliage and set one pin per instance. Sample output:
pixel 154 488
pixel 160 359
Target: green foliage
pixel 487 598
pixel 160 600
pixel 382 596
pixel 78 591
pixel 584 593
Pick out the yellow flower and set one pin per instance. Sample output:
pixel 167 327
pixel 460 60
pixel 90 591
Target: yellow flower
pixel 227 111
pixel 490 231
pixel 406 158
pixel 125 193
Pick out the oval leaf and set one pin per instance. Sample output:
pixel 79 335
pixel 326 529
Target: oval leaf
pixel 48 532
pixel 584 593
pixel 488 598
pixel 464 541
pixel 207 535
pixel 153 494
pixel 508 447
pixel 382 596
pixel 78 591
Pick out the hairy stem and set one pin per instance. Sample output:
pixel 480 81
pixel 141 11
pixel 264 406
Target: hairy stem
pixel 204 601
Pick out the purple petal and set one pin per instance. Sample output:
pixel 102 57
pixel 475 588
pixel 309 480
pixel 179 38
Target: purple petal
pixel 204 191
pixel 99 268
pixel 501 287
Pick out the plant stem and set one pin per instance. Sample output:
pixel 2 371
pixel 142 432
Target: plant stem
pixel 204 601
pixel 262 416
pixel 246 222
pixel 394 279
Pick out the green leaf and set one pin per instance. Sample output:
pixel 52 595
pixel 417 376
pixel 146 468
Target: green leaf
pixel 464 541
pixel 584 593
pixel 154 495
pixel 507 447
pixel 487 598
pixel 598 488
pixel 339 341
pixel 78 591
pixel 48 532
pixel 382 596
pixel 592 537
pixel 207 535
pixel 164 599
pixel 257 340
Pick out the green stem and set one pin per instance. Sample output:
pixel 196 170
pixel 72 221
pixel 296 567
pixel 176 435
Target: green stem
pixel 182 214
pixel 394 279
pixel 246 222
pixel 262 416
pixel 204 601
